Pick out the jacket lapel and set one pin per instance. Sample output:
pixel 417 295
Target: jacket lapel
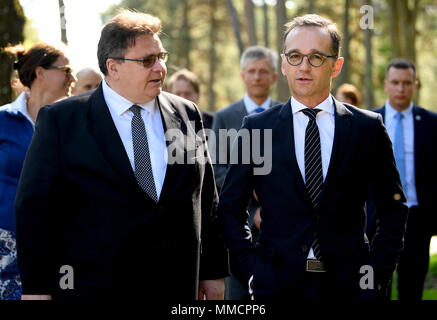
pixel 171 123
pixel 102 128
pixel 341 140
pixel 288 150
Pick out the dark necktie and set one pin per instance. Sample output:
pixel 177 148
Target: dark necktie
pixel 143 166
pixel 313 166
pixel 259 109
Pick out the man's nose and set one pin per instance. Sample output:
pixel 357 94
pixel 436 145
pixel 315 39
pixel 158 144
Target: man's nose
pixel 305 64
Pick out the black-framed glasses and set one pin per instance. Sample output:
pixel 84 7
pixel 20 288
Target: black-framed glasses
pixel 315 59
pixel 148 61
pixel 67 69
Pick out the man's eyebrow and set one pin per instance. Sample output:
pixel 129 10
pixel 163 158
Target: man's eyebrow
pixel 298 51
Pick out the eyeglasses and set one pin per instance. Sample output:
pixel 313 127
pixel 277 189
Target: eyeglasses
pixel 67 69
pixel 150 60
pixel 315 59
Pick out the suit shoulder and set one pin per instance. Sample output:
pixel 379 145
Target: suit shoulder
pixel 362 113
pixel 230 109
pixel 266 116
pixel 427 113
pixel 72 104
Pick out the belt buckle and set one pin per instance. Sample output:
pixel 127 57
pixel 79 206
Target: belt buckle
pixel 314 265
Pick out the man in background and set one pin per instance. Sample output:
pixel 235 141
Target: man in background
pixel 259 73
pixel 87 79
pixel 186 84
pixel 413 132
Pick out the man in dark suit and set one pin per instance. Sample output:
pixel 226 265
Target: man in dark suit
pixel 325 154
pixel 258 71
pixel 114 190
pixel 413 131
pixel 185 84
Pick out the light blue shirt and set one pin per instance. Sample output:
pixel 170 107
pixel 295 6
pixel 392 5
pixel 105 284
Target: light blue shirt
pixel 122 117
pixel 251 105
pixel 408 126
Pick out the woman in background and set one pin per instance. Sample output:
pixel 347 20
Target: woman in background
pixel 45 72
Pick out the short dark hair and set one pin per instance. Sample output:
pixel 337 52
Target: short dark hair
pixel 401 63
pixel 314 20
pixel 26 61
pixel 120 33
pixel 186 75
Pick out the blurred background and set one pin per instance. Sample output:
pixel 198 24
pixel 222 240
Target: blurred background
pixel 208 36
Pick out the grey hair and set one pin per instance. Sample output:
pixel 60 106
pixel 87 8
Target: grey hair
pixel 257 53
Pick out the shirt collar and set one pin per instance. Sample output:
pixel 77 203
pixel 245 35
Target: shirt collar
pixel 120 104
pixel 327 105
pixel 20 106
pixel 391 112
pixel 251 105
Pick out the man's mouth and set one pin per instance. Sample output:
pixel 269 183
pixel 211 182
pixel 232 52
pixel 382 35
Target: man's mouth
pixel 304 79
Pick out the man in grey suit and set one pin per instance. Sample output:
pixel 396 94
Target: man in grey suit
pixel 259 73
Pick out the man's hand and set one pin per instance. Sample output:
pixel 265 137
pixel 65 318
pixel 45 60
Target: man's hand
pixel 212 289
pixel 257 218
pixel 36 297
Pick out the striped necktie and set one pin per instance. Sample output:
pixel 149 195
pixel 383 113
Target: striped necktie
pixel 313 166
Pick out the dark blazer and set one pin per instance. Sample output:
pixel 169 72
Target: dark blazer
pixel 79 204
pixel 230 117
pixel 362 155
pixel 425 159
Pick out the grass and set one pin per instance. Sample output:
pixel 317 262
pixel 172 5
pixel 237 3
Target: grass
pixel 430 288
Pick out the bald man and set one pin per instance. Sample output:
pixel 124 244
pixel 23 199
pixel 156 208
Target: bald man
pixel 87 79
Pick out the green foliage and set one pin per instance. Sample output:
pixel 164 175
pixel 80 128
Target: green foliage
pixel 189 42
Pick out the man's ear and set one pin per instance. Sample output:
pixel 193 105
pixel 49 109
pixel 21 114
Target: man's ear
pixel 113 67
pixel 283 64
pixel 337 67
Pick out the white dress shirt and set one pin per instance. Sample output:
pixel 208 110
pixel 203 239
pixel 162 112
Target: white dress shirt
pixel 408 126
pixel 251 105
pixel 122 117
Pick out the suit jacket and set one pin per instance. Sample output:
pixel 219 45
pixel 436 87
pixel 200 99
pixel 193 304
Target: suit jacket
pixel 425 158
pixel 79 204
pixel 207 118
pixel 362 155
pixel 230 117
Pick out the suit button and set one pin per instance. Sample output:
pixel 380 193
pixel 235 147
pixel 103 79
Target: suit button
pixel 304 248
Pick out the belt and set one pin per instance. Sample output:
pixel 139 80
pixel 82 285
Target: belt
pixel 314 265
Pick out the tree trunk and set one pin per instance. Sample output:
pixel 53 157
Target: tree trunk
pixel 233 15
pixel 281 19
pixel 250 22
pixel 63 22
pixel 266 24
pixel 310 6
pixel 186 35
pixel 344 75
pixel 212 54
pixel 369 101
pixel 11 30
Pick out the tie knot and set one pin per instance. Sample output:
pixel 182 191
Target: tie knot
pixel 259 109
pixel 311 113
pixel 136 110
pixel 399 116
